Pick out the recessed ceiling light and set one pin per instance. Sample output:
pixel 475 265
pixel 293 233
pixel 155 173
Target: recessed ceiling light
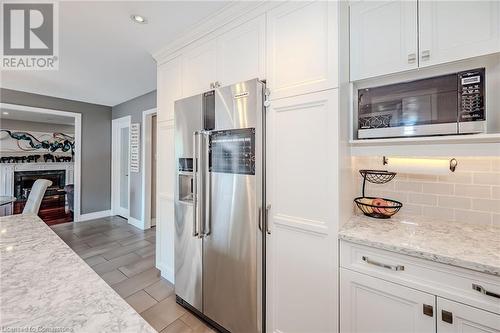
pixel 139 19
pixel 5 113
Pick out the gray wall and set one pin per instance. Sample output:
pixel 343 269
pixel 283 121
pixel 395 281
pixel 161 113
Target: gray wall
pixel 96 144
pixel 135 108
pixel 32 126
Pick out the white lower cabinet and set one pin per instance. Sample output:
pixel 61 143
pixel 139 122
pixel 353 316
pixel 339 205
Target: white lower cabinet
pixel 382 291
pixel 454 317
pixel 371 305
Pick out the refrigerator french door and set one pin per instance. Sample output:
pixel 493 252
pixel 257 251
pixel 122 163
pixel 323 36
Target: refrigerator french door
pixel 219 238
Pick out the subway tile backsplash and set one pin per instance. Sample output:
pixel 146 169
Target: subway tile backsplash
pixel 471 194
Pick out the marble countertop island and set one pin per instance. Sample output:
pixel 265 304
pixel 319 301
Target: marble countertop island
pixel 46 287
pixel 471 246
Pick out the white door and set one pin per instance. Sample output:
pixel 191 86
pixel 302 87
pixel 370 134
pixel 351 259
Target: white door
pixel 302 48
pixel 371 305
pixel 198 68
pixel 241 52
pixel 383 37
pixel 453 317
pixel 120 166
pixel 169 81
pixel 302 247
pixel 454 30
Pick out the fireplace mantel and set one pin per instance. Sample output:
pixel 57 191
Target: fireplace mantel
pixel 7 173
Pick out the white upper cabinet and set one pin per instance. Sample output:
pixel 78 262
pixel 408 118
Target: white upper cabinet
pixel 198 68
pixel 241 53
pixel 169 88
pixel 454 30
pixel 302 48
pixel 455 317
pixel 383 37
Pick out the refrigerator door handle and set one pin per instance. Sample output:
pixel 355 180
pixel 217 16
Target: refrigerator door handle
pixel 195 184
pixel 207 185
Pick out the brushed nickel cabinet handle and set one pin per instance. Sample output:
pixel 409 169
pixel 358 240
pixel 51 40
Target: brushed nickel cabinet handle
pixel 412 57
pixel 483 291
pixel 426 54
pixel 379 264
pixel 260 218
pixel 268 231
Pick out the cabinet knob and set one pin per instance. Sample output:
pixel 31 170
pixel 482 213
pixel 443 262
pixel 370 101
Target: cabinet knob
pixel 426 54
pixel 428 310
pixel 412 57
pixel 447 316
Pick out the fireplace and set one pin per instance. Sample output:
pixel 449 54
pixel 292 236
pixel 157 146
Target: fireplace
pixel 53 207
pixel 23 181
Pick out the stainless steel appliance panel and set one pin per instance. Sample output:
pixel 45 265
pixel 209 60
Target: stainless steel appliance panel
pixel 188 246
pixel 236 106
pixel 232 249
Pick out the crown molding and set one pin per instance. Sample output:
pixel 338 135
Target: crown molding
pixel 229 13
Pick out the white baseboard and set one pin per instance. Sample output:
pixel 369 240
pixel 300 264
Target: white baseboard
pixel 93 216
pixel 136 223
pixel 166 272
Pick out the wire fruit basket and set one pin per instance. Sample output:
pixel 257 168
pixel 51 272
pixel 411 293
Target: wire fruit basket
pixel 380 208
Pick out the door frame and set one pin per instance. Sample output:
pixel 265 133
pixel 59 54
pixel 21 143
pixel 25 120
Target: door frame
pixel 115 151
pixel 147 160
pixel 77 158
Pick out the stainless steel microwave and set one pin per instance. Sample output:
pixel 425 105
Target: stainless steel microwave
pixel 442 105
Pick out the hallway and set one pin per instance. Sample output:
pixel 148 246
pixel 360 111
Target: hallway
pixel 124 257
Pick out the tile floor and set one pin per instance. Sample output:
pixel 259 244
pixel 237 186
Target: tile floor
pixel 124 257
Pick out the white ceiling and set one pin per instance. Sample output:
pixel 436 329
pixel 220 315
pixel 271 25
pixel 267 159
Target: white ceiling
pixel 35 117
pixel 105 58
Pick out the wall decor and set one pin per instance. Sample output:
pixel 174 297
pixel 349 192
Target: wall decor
pixel 135 134
pixel 24 141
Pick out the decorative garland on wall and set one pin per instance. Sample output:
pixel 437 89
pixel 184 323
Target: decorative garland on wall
pixel 60 141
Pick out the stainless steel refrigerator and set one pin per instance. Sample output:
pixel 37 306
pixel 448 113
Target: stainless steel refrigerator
pixel 219 200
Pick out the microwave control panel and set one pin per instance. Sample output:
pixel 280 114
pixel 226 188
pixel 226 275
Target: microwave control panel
pixel 471 95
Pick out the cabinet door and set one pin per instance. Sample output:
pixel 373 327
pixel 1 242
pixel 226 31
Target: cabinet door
pixel 198 68
pixel 241 53
pixel 383 37
pixel 301 189
pixel 372 305
pixel 169 88
pixel 302 48
pixel 165 182
pixel 453 317
pixel 454 30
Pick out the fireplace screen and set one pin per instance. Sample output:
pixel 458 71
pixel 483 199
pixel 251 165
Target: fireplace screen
pixel 23 181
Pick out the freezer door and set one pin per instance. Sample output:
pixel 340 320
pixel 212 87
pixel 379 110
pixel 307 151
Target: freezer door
pixel 188 245
pixel 232 243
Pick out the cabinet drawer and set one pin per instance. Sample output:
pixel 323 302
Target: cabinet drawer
pixel 447 281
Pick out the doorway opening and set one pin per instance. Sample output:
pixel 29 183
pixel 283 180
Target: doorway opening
pixel 41 143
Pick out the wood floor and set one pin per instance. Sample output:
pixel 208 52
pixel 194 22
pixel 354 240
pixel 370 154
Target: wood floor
pixel 124 257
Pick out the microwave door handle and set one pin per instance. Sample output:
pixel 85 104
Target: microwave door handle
pixel 195 184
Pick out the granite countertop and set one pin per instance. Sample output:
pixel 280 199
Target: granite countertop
pixel 471 246
pixel 45 286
